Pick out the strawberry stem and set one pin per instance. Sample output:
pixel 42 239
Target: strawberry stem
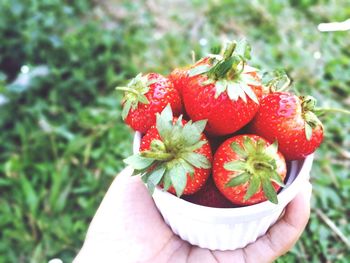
pixel 286 84
pixel 321 111
pixel 276 81
pixel 229 50
pixel 193 56
pixel 159 156
pixel 228 74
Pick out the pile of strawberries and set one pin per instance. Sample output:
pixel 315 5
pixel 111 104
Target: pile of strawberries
pixel 214 134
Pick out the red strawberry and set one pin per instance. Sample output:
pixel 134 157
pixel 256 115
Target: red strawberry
pixel 174 154
pixel 290 120
pixel 210 196
pixel 145 96
pixel 179 76
pixel 226 92
pixel 247 170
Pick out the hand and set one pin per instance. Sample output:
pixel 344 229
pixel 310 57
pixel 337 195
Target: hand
pixel 127 227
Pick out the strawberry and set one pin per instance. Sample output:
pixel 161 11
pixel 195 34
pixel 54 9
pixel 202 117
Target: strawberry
pixel 145 96
pixel 290 120
pixel 179 76
pixel 174 154
pixel 226 92
pixel 209 196
pixel 247 169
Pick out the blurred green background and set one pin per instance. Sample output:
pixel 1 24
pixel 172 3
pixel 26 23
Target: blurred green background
pixel 62 138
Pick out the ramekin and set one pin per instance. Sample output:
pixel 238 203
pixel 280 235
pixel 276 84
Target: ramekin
pixel 226 228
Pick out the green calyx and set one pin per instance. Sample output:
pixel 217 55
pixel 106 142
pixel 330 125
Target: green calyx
pixel 276 81
pixel 308 104
pixel 135 93
pixel 226 72
pixel 256 166
pixel 173 156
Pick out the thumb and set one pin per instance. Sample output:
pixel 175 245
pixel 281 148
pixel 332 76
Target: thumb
pixel 282 236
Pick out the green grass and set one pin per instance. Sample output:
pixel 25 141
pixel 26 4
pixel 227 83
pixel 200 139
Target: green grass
pixel 62 139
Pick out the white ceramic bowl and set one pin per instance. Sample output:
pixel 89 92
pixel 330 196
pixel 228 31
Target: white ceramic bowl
pixel 226 228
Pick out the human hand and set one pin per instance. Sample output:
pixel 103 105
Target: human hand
pixel 127 227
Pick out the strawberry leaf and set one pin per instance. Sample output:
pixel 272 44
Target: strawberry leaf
pixel 308 131
pixel 197 160
pixel 143 99
pixel 221 68
pixel 191 132
pixel 250 80
pixel 230 69
pixel 138 162
pixel 164 122
pixel 257 165
pixel 269 191
pixel 248 90
pixel 151 81
pixel 134 93
pixel 308 104
pixel 156 175
pixel 260 146
pixel 150 187
pixel 238 180
pixel 196 146
pixel 166 181
pixel 199 126
pixel 248 144
pixel 220 87
pixel 145 176
pixel 235 166
pixel 241 93
pixel 126 109
pixel 253 187
pixel 198 70
pixel 239 150
pixel 232 92
pixel 170 158
pixel 188 167
pixel 272 148
pixel 277 179
pixel 178 177
pixel 243 49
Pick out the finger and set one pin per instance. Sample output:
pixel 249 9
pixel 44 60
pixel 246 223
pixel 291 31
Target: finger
pixel 107 210
pixel 279 239
pixel 126 216
pixel 284 234
pixel 126 200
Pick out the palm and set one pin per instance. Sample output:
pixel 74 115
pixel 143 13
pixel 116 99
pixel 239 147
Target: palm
pixel 128 228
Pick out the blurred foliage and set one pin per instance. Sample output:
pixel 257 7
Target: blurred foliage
pixel 62 140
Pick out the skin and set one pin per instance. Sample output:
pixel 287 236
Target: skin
pixel 127 227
